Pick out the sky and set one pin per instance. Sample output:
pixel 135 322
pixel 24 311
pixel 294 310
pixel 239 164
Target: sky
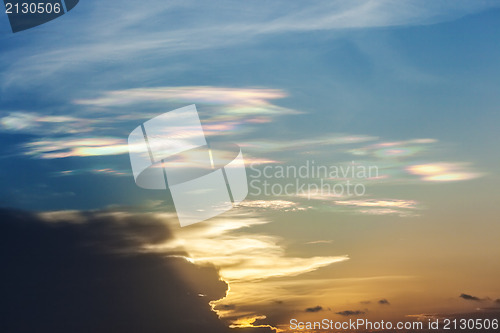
pixel 399 99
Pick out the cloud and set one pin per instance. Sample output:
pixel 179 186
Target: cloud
pixel 470 298
pixel 350 313
pixel 394 149
pixel 225 307
pixel 384 302
pixel 61 275
pixel 396 203
pixel 387 212
pixel 245 260
pixel 315 309
pixel 194 94
pixel 443 172
pixel 225 108
pixel 282 205
pixel 241 256
pixel 251 322
pixel 320 242
pixel 224 111
pixel 306 143
pixel 32 122
pixel 76 147
pixel 483 314
pixel 401 207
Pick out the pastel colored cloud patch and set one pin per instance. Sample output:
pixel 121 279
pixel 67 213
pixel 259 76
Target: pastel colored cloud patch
pixel 443 172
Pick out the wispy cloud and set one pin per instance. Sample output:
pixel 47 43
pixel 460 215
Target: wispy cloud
pixel 326 140
pixel 195 94
pixel 347 313
pixel 246 260
pixel 212 25
pixel 394 149
pixel 470 297
pixel 387 211
pixel 32 122
pixel 250 322
pixel 403 208
pixel 396 203
pixel 83 147
pixel 282 205
pixel 443 172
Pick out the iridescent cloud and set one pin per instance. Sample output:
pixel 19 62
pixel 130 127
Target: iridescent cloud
pixel 443 172
pixel 229 107
pixel 242 257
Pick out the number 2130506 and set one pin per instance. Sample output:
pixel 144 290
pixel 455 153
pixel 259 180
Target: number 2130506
pixel 32 8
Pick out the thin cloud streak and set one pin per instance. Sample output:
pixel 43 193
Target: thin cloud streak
pixel 400 207
pixel 443 172
pixel 281 205
pixel 32 122
pixel 396 203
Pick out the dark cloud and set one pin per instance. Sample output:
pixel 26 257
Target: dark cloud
pixel 315 309
pixel 350 313
pixel 85 277
pixel 384 302
pixel 469 297
pixel 497 301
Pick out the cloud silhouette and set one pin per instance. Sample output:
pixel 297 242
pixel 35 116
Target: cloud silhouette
pixel 315 309
pixel 470 298
pixel 90 276
pixel 384 302
pixel 350 313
